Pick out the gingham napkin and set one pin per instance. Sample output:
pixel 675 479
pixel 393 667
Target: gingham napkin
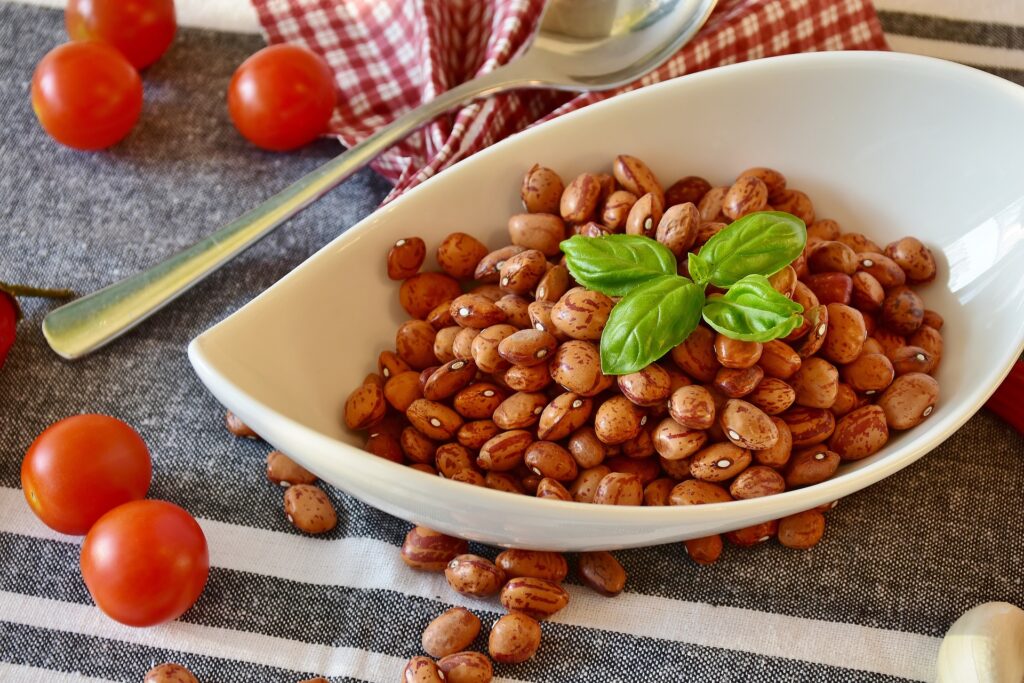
pixel 390 56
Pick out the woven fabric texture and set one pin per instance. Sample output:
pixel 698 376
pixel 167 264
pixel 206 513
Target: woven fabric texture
pixel 899 562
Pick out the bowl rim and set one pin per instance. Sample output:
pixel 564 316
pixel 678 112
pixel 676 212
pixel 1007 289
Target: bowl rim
pixel 802 498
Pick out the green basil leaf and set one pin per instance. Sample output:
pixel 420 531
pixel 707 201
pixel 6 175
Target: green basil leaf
pixel 760 243
pixel 700 270
pixel 752 311
pixel 615 264
pixel 648 322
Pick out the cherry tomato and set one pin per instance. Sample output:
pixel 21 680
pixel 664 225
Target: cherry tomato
pixel 82 467
pixel 141 29
pixel 86 95
pixel 282 97
pixel 8 325
pixel 145 562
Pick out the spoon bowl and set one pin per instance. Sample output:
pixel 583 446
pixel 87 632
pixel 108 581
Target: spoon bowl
pixel 600 45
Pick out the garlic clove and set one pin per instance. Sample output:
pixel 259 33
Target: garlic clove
pixel 985 645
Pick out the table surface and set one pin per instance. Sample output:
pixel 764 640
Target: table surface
pixel 899 562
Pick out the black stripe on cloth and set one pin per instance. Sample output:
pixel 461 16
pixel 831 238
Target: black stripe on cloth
pixel 952 30
pixel 335 616
pixel 1015 75
pixel 119 661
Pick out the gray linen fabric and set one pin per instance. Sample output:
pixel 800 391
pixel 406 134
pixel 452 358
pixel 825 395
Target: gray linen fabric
pixel 907 556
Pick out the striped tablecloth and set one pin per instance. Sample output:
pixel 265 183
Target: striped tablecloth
pixel 988 34
pixel 899 563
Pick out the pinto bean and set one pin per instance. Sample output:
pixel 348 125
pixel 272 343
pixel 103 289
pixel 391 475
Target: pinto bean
pixel 930 339
pixel 846 334
pixel 802 530
pixel 697 492
pixel 811 466
pixel 646 387
pixel 618 420
pixel 581 313
pixel 687 189
pixel 576 366
pixel 505 451
pixel 586 449
pixel 737 383
pixel 902 310
pixel 580 197
pixel 747 195
pixel 719 462
pixel 563 415
pixel 733 353
pixel 692 407
pixel 914 258
pixel 778 454
pixel 779 360
pixel 831 256
pixel 747 426
pixel 870 372
pixel 459 253
pixel 816 383
pixel 678 228
pixel 705 550
pixel 405 258
pixel 540 231
pixel 644 216
pixel 809 426
pixel 673 441
pixel 542 190
pixel 619 488
pixel 635 176
pixel 423 292
pixel 553 285
pixel 860 433
pixel 616 209
pixel 909 400
pixel 757 481
pixel 696 355
pixel 522 272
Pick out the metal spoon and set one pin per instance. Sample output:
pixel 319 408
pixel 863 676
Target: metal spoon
pixel 581 45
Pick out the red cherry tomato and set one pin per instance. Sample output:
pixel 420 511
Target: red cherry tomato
pixel 86 95
pixel 8 325
pixel 145 562
pixel 141 29
pixel 82 467
pixel 282 97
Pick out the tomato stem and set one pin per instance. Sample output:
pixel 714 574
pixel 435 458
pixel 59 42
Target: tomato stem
pixel 42 292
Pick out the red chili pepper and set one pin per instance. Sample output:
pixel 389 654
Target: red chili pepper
pixel 8 323
pixel 1008 401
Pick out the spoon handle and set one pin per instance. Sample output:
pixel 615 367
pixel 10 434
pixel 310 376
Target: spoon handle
pixel 86 324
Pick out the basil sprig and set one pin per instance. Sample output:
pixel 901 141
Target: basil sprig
pixel 659 308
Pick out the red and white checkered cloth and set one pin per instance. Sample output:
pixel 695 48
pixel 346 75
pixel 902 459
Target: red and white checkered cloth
pixel 391 55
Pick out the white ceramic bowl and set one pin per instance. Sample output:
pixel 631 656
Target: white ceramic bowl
pixel 887 144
